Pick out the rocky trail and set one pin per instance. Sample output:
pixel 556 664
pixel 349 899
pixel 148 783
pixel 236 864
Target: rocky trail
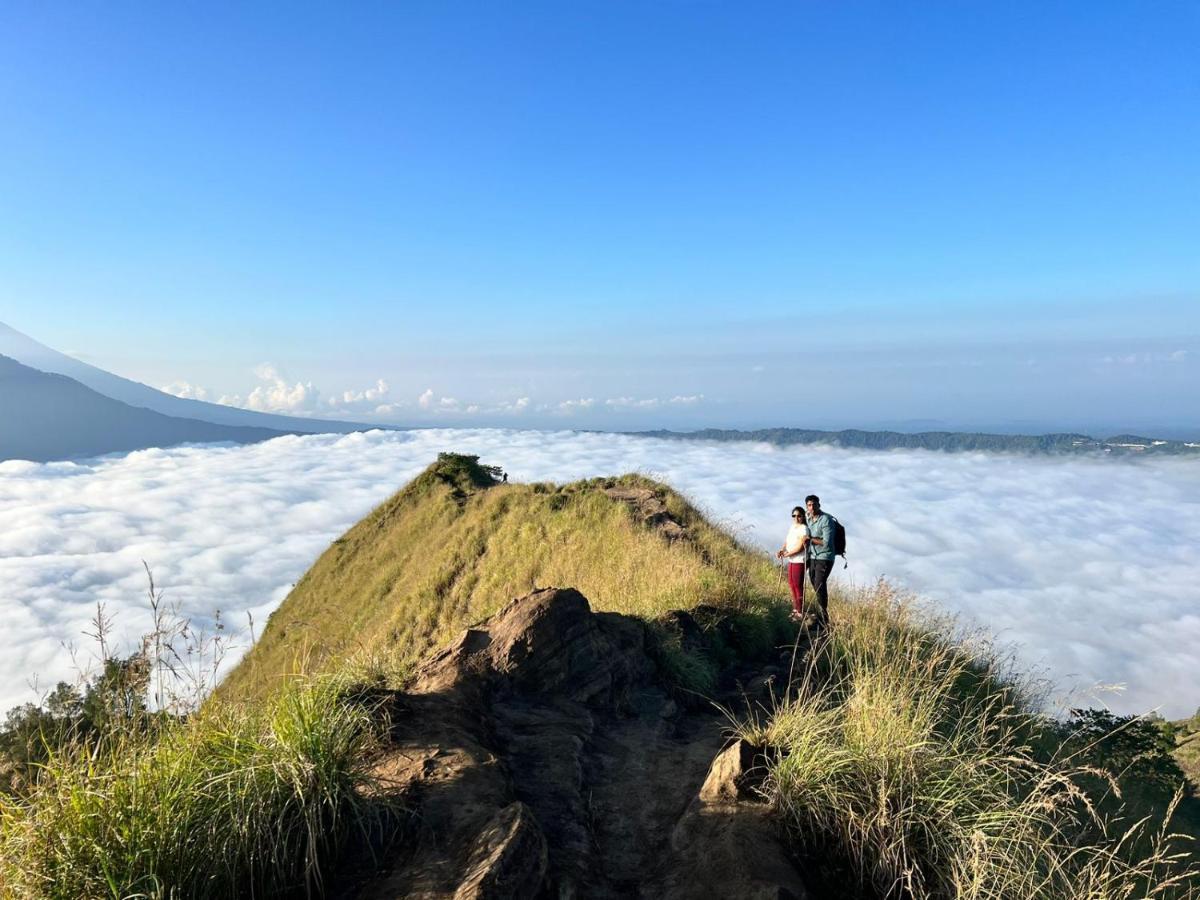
pixel 542 755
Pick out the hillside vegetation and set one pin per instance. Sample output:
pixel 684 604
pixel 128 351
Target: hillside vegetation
pixel 895 755
pixel 455 545
pixel 912 764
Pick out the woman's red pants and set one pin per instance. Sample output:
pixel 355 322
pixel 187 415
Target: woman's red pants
pixel 796 581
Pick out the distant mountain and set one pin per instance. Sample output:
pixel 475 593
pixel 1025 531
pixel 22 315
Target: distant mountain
pixel 29 352
pixel 46 416
pixel 939 440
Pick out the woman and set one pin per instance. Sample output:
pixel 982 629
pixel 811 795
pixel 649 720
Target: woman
pixel 793 551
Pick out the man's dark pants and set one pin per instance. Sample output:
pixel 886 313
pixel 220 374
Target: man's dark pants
pixel 818 574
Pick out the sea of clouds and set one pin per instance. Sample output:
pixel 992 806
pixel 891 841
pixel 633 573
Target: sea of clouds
pixel 1087 566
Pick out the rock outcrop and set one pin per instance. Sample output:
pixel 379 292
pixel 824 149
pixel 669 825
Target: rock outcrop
pixel 542 756
pixel 649 509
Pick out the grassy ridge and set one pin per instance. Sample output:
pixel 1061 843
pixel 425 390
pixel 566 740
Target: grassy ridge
pixel 256 794
pixel 451 548
pixel 908 765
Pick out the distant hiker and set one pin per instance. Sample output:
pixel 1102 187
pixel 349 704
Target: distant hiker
pixel 505 478
pixel 821 552
pixel 793 550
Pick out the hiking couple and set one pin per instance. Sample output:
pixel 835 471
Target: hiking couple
pixel 809 545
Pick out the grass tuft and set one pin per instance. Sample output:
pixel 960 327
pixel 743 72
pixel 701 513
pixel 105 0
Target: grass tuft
pixel 234 802
pixel 909 764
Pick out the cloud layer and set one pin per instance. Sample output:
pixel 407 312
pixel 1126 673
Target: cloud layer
pixel 1087 566
pixel 276 393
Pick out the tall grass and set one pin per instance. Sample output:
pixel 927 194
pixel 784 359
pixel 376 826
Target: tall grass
pixel 913 767
pixel 235 802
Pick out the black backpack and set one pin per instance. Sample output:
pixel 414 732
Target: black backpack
pixel 839 541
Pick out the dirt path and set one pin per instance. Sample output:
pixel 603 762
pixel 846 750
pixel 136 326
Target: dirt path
pixel 640 774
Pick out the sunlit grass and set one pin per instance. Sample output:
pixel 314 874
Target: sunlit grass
pixel 431 561
pixel 236 802
pixel 913 766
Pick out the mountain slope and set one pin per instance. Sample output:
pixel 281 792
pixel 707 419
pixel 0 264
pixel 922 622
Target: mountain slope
pixel 453 546
pixel 45 416
pixel 552 746
pixel 29 352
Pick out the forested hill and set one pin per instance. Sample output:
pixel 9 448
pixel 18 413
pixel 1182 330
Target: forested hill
pixel 1123 444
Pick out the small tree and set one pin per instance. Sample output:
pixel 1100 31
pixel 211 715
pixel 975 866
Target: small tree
pixel 1133 749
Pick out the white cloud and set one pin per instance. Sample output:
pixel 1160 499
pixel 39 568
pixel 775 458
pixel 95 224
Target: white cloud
pixel 1087 565
pixel 516 406
pixel 387 409
pixel 570 406
pixel 274 393
pixel 632 402
pixel 653 402
pixel 185 390
pixel 452 406
pixel 438 404
pixel 1145 359
pixel 368 399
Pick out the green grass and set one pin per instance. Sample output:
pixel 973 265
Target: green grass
pixel 236 802
pixel 1186 735
pixel 448 551
pixel 913 766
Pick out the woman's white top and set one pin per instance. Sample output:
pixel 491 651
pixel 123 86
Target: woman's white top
pixel 792 545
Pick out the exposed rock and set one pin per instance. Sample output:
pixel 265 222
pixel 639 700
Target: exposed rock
pixel 726 843
pixel 632 495
pixel 508 860
pixel 543 757
pixel 736 774
pixel 548 642
pixel 650 509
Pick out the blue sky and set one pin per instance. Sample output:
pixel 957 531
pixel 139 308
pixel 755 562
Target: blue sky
pixel 795 214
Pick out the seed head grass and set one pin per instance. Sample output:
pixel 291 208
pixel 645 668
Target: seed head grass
pixel 912 764
pixel 237 801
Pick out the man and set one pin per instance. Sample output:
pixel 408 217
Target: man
pixel 820 556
